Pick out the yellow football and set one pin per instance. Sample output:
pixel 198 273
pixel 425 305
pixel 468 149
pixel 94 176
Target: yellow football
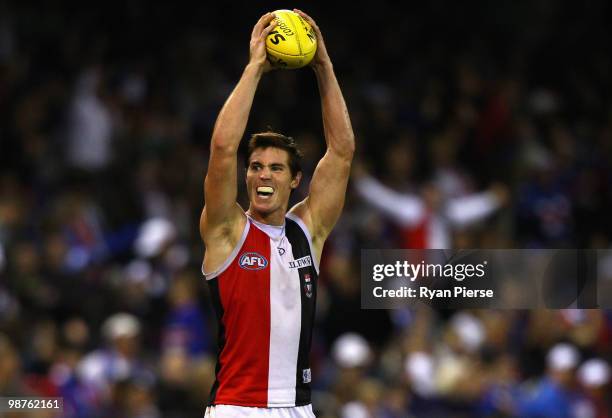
pixel 292 43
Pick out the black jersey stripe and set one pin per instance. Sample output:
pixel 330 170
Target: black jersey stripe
pixel 308 293
pixel 213 285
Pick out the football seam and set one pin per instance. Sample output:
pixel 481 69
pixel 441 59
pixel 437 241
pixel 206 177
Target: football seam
pixel 297 35
pixel 287 55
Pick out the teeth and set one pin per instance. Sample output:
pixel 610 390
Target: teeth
pixel 265 189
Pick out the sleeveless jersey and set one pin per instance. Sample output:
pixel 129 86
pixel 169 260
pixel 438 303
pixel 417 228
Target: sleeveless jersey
pixel 264 298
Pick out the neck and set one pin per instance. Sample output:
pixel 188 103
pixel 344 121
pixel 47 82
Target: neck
pixel 276 218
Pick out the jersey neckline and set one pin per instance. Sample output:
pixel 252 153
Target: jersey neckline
pixel 273 231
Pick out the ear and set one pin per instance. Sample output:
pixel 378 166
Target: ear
pixel 296 180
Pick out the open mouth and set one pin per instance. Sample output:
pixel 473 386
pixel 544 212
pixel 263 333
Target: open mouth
pixel 265 191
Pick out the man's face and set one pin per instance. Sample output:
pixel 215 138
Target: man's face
pixel 269 181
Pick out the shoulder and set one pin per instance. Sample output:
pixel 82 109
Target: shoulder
pixel 295 224
pixel 301 215
pixel 304 213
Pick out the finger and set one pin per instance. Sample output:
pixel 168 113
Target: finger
pixel 305 16
pixel 268 29
pixel 261 23
pixel 310 21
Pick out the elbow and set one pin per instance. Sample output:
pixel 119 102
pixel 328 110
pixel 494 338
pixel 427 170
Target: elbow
pixel 346 148
pixel 349 149
pixel 219 145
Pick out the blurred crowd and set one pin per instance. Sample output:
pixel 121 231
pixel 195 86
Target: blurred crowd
pixel 486 125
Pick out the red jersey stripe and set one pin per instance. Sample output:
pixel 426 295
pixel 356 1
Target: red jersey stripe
pixel 245 286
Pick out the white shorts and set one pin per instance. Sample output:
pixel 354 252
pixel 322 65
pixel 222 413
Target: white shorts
pixel 231 411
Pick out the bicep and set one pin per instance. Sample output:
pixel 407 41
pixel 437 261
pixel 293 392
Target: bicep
pixel 327 193
pixel 220 187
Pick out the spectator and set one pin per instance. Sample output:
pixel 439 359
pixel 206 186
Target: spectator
pixel 555 394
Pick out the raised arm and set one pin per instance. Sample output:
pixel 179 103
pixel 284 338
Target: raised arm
pixel 464 211
pixel 407 210
pixel 322 208
pixel 221 211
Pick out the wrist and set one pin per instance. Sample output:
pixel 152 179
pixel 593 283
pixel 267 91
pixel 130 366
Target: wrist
pixel 323 67
pixel 254 68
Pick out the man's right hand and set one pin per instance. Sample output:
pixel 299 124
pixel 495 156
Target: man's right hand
pixel 261 30
pixel 321 58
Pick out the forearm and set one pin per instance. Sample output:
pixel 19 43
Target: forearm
pixel 404 209
pixel 336 121
pixel 466 210
pixel 233 118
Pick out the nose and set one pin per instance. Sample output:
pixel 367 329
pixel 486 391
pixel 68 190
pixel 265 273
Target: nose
pixel 265 173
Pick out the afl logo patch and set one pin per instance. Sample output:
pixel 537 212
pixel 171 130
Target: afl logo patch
pixel 252 261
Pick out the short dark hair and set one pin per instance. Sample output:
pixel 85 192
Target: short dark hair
pixel 276 140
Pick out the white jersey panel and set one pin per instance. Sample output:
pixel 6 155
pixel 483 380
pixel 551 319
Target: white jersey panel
pixel 285 324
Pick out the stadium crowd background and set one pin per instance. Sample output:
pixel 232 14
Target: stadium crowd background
pixel 105 116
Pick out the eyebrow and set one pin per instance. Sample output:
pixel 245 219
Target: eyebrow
pixel 274 164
